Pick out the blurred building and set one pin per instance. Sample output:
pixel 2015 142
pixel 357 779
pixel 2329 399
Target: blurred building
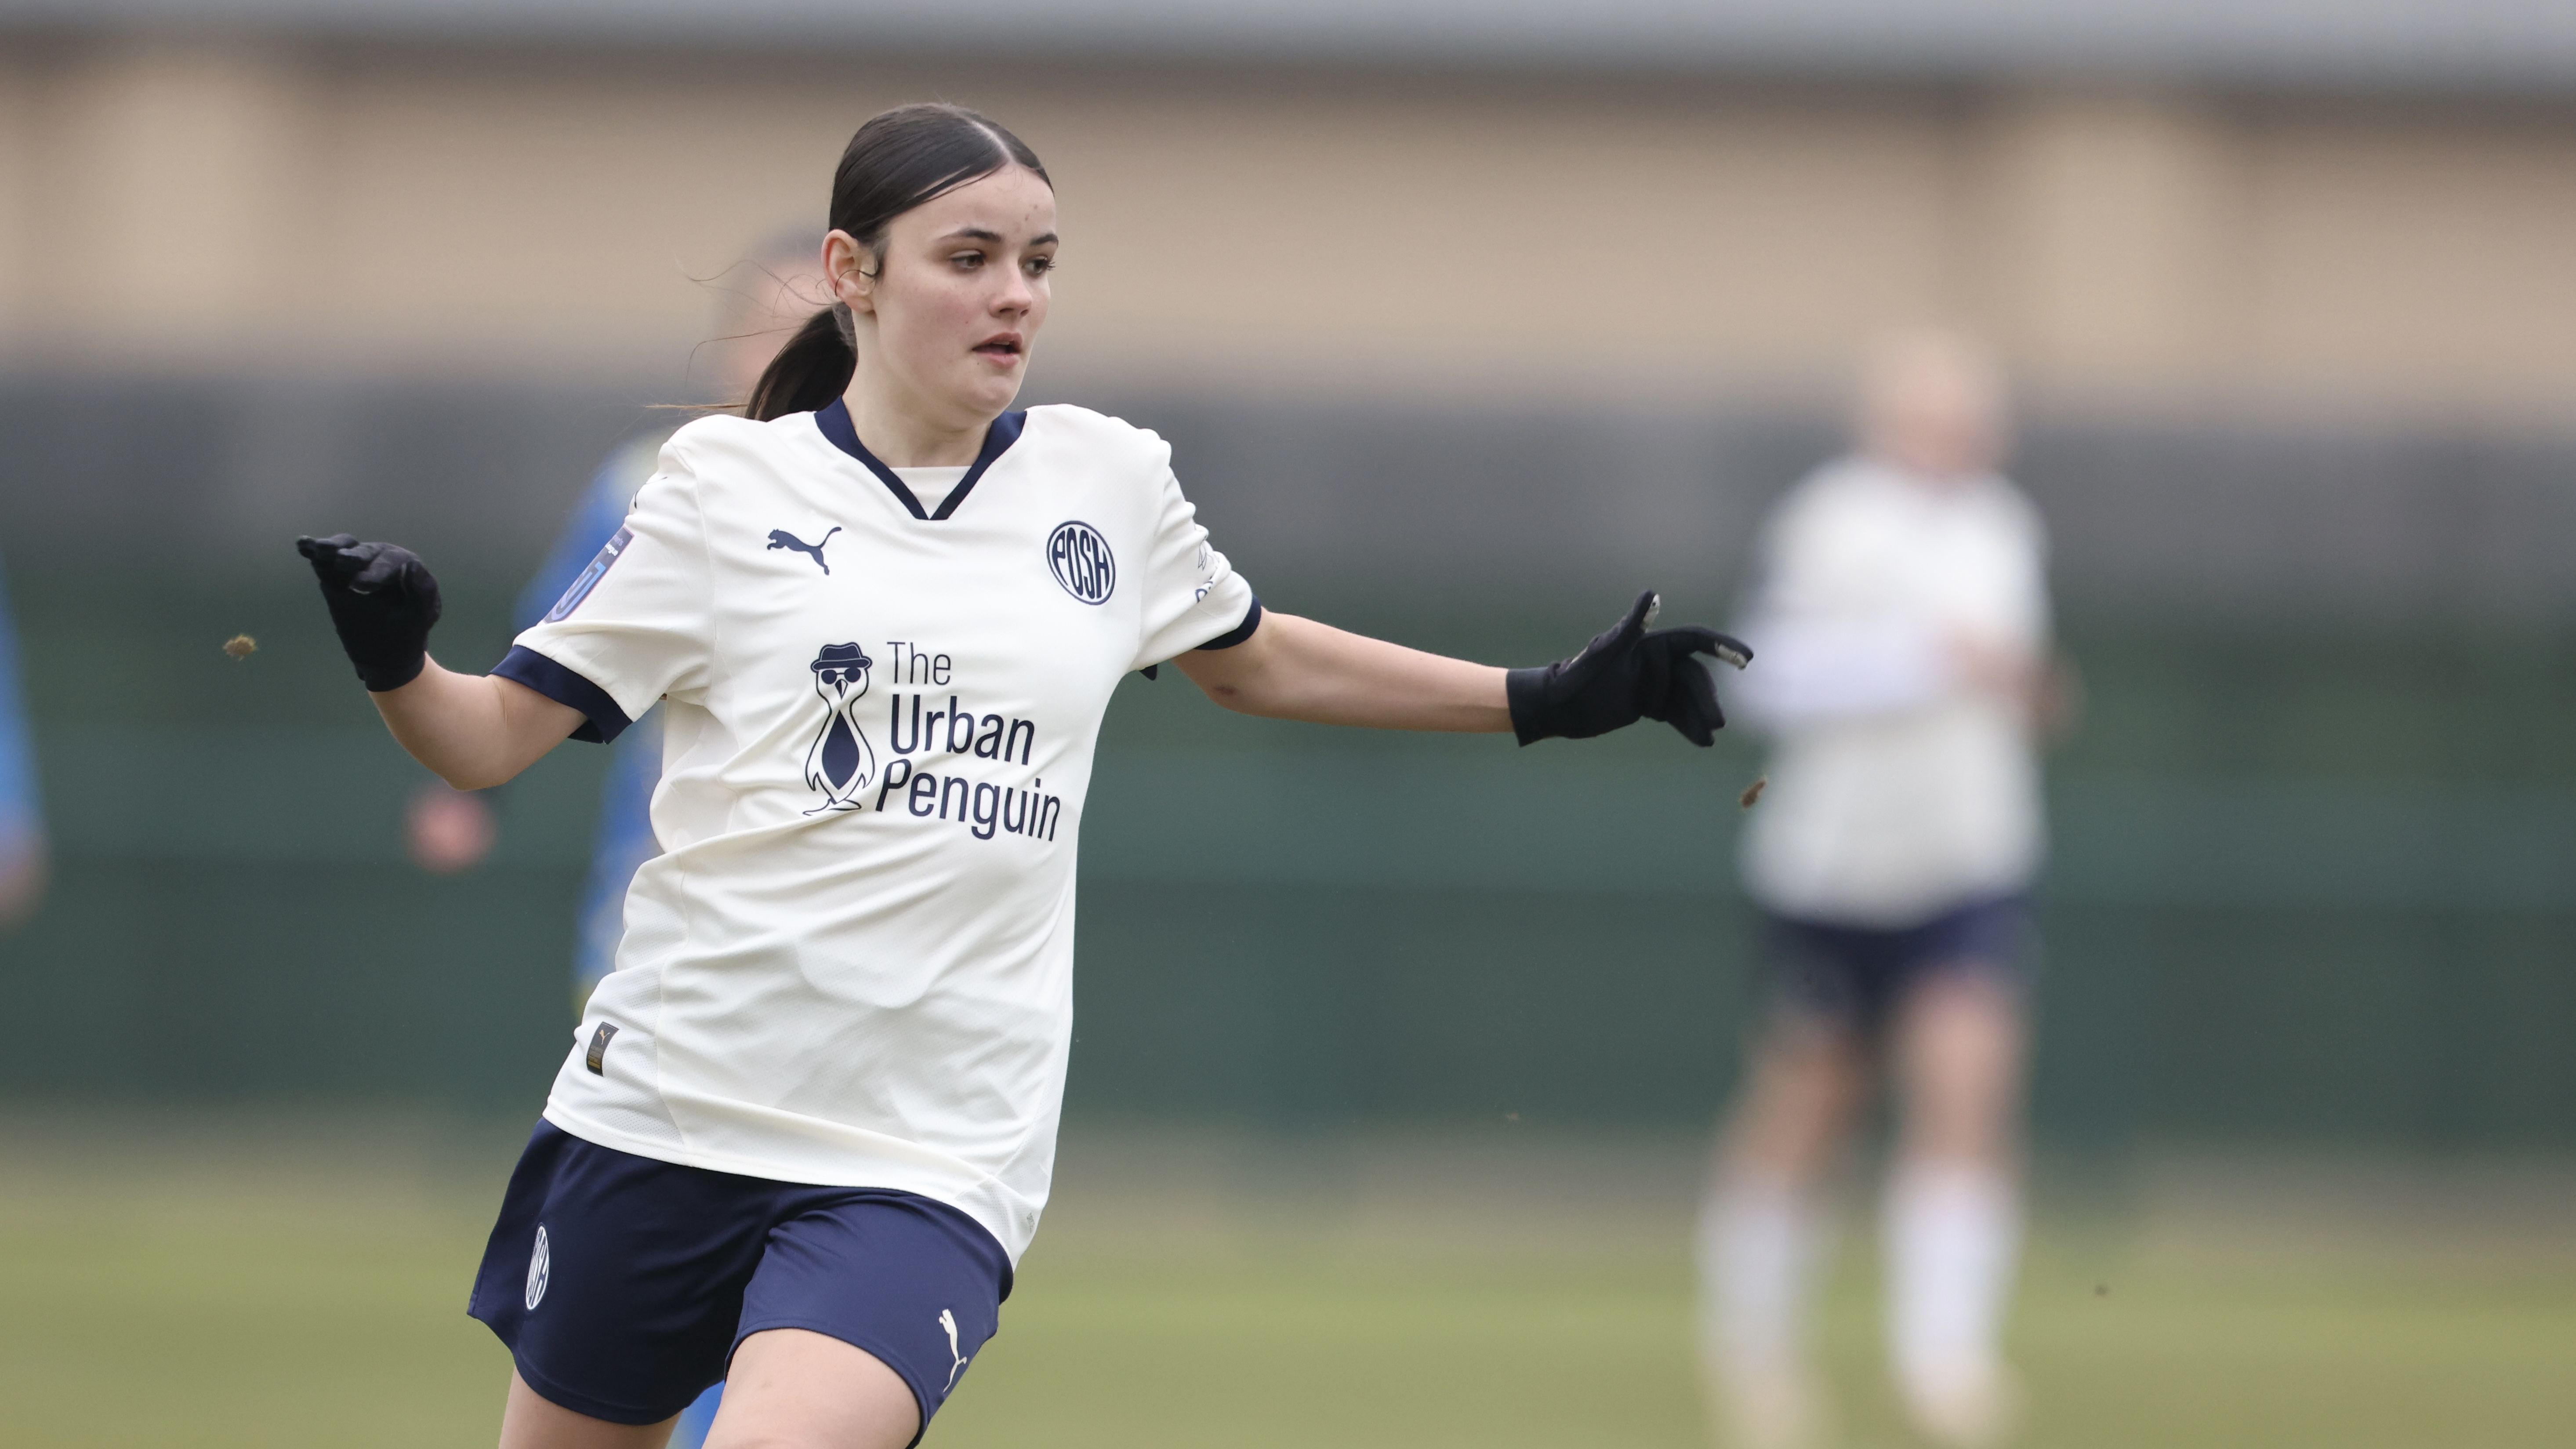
pixel 2302 203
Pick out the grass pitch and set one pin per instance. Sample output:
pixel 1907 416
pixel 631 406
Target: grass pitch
pixel 302 1282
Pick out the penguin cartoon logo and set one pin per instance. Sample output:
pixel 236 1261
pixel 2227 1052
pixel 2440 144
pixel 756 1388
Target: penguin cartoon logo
pixel 841 763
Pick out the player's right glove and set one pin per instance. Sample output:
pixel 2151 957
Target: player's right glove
pixel 382 600
pixel 1627 673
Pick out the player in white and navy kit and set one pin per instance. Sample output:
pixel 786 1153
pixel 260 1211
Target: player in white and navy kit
pixel 1902 610
pixel 807 1125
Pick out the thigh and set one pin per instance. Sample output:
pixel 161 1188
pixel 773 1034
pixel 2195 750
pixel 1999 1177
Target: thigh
pixel 1958 1062
pixel 911 1286
pixel 791 1388
pixel 1802 1081
pixel 617 1280
pixel 533 1421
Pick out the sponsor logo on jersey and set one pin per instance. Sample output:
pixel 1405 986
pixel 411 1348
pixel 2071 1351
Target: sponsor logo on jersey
pixel 541 1270
pixel 1079 557
pixel 780 538
pixel 922 726
pixel 840 763
pixel 948 1320
pixel 590 577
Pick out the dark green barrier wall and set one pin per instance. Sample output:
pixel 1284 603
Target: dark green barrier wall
pixel 2310 888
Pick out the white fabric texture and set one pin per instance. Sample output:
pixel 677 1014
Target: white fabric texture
pixel 1897 790
pixel 1952 1237
pixel 852 964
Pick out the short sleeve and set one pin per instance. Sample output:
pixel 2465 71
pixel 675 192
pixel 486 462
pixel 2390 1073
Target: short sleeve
pixel 1193 598
pixel 636 624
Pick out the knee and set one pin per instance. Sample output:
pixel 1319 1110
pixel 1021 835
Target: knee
pixel 1798 1097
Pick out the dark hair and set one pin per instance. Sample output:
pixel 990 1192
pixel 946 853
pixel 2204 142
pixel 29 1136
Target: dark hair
pixel 898 160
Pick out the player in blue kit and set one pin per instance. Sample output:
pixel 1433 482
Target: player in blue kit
pixel 22 820
pixel 806 1127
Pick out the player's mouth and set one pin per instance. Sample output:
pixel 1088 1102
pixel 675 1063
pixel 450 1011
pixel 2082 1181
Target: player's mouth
pixel 1004 347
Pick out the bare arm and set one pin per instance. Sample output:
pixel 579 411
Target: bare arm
pixel 1293 668
pixel 473 730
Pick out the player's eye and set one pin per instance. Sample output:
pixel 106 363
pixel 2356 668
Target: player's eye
pixel 1040 266
pixel 967 261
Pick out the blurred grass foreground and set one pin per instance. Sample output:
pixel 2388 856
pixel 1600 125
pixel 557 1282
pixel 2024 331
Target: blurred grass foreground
pixel 289 1280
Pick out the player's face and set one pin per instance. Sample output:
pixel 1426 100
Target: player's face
pixel 961 292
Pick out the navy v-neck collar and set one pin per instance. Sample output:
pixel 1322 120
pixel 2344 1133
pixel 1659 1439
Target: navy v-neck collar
pixel 835 423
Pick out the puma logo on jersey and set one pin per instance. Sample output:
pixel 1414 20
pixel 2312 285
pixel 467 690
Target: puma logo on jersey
pixel 780 538
pixel 948 1320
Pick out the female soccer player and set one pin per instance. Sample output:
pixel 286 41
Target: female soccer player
pixel 806 1127
pixel 1903 616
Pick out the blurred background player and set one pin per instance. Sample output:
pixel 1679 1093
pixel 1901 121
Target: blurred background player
pixel 22 823
pixel 764 299
pixel 1901 616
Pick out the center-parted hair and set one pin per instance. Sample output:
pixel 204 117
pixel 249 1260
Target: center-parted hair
pixel 899 160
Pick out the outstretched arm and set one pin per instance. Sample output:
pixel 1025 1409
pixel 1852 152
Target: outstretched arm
pixel 1293 668
pixel 474 730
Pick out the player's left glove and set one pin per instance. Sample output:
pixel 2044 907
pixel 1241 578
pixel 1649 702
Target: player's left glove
pixel 1628 673
pixel 383 602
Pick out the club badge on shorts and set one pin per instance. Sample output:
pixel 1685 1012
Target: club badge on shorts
pixel 540 1270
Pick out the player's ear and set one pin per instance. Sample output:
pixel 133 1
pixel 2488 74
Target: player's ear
pixel 850 269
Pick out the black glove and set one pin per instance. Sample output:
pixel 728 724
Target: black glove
pixel 383 601
pixel 1626 674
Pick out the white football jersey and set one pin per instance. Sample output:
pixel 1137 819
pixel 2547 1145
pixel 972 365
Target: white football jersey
pixel 1898 790
pixel 852 965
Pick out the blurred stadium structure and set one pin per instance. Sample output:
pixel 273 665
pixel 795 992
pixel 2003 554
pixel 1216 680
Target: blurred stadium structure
pixel 1465 321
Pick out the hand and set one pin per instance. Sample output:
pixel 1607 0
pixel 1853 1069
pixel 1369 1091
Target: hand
pixel 383 601
pixel 1626 674
pixel 1990 666
pixel 22 877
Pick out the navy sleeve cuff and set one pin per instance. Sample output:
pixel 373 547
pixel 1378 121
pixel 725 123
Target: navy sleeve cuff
pixel 604 720
pixel 1240 632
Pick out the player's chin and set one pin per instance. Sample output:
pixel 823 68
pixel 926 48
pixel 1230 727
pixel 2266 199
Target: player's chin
pixel 992 382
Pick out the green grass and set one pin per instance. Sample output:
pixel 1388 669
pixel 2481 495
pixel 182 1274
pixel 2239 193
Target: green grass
pixel 302 1283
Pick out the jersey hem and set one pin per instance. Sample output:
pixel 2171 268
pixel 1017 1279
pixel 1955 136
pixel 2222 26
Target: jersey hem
pixel 1013 1244
pixel 1889 913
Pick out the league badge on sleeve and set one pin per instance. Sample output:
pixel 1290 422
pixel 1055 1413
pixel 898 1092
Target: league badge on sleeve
pixel 590 576
pixel 840 763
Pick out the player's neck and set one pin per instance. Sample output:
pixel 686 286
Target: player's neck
pixel 903 432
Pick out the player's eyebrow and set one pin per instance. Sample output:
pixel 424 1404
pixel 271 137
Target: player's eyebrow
pixel 983 234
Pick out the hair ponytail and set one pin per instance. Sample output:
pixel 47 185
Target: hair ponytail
pixel 811 370
pixel 897 161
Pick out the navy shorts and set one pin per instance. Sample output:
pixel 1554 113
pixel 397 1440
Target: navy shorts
pixel 622 1284
pixel 1853 976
